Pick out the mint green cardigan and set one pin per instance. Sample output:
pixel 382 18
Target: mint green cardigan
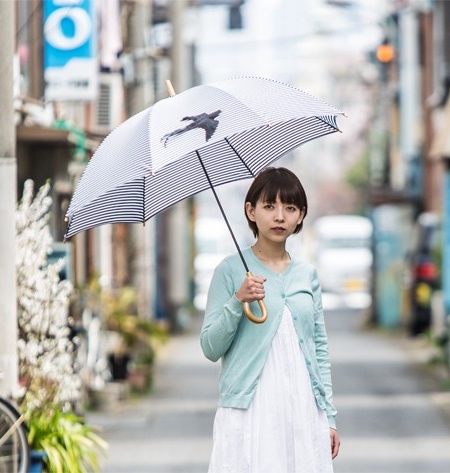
pixel 243 346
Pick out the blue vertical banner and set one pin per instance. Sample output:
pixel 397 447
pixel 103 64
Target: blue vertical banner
pixel 392 234
pixel 70 47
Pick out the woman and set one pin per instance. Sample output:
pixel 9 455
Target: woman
pixel 275 412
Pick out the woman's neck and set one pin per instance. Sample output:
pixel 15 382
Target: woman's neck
pixel 274 256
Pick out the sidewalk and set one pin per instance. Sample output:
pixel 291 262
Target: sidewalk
pixel 169 430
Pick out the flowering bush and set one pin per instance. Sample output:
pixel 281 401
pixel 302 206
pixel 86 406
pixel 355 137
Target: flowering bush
pixel 46 353
pixel 47 368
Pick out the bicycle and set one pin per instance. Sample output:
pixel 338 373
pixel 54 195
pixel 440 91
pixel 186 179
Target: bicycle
pixel 14 448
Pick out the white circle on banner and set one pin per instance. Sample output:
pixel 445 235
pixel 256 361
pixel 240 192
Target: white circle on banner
pixel 54 33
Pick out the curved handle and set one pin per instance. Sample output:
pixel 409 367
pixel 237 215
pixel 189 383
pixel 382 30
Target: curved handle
pixel 250 315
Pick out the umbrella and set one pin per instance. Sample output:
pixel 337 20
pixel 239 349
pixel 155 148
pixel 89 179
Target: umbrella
pixel 204 137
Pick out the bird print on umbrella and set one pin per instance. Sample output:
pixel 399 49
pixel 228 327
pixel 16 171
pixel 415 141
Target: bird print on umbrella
pixel 207 121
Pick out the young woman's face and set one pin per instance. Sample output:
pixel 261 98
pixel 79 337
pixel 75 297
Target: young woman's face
pixel 276 221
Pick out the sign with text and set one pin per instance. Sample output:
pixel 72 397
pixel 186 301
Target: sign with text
pixel 70 62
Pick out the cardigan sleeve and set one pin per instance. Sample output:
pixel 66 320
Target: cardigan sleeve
pixel 321 345
pixel 222 314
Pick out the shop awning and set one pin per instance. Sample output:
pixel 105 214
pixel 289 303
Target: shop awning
pixel 38 134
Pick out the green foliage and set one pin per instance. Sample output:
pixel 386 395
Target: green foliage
pixel 119 312
pixel 139 336
pixel 357 178
pixel 358 175
pixel 69 443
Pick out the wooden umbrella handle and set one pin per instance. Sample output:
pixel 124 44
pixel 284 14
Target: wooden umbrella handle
pixel 250 315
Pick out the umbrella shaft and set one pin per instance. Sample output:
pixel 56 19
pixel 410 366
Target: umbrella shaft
pixel 223 213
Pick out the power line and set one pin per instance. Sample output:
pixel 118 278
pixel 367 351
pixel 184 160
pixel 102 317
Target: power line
pixel 277 41
pixel 28 20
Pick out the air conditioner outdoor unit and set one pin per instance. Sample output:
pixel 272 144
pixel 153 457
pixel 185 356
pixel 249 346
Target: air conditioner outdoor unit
pixel 107 109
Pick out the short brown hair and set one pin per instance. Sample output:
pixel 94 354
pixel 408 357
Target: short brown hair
pixel 273 182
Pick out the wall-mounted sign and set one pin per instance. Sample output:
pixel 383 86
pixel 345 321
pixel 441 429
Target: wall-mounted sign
pixel 70 61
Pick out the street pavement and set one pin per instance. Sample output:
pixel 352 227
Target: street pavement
pixel 394 416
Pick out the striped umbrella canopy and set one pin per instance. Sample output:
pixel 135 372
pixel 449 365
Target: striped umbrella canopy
pixel 201 138
pixel 204 137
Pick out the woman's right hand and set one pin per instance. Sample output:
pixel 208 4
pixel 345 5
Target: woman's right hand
pixel 252 289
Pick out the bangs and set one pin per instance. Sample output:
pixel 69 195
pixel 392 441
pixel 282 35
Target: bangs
pixel 289 193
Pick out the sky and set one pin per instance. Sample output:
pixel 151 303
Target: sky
pixel 286 39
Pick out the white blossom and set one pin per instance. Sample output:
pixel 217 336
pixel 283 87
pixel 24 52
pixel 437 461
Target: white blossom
pixel 46 354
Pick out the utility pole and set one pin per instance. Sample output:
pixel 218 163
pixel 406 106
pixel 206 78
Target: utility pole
pixel 409 95
pixel 8 189
pixel 433 169
pixel 178 216
pixel 140 95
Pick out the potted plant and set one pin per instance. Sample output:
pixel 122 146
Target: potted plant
pixel 140 371
pixel 137 340
pixel 65 441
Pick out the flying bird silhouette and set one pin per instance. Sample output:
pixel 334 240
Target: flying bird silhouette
pixel 207 121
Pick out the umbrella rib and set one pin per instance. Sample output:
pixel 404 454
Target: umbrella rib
pixel 143 202
pixel 239 156
pixel 223 212
pixel 329 124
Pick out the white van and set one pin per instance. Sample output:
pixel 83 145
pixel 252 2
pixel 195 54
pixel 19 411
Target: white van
pixel 343 254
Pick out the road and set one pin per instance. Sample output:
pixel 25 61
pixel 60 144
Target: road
pixel 393 416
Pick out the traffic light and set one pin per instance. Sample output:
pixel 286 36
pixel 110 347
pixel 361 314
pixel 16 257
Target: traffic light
pixel 385 52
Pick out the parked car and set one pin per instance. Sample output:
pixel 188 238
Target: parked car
pixel 343 254
pixel 423 262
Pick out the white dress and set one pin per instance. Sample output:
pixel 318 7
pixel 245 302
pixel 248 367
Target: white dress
pixel 283 430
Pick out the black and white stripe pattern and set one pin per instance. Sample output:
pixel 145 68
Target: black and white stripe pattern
pixel 134 175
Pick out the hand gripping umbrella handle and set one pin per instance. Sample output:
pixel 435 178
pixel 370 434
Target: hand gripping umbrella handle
pixel 249 314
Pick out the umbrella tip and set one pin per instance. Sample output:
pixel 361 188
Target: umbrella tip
pixel 170 88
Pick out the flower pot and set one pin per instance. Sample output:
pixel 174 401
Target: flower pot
pixel 140 378
pixel 119 366
pixel 37 458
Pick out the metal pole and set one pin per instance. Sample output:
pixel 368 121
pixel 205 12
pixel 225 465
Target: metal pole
pixel 175 222
pixel 8 189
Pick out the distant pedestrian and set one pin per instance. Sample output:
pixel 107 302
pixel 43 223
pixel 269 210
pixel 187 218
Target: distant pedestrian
pixel 275 413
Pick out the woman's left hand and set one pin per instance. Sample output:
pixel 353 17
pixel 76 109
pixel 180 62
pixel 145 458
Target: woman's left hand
pixel 335 443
